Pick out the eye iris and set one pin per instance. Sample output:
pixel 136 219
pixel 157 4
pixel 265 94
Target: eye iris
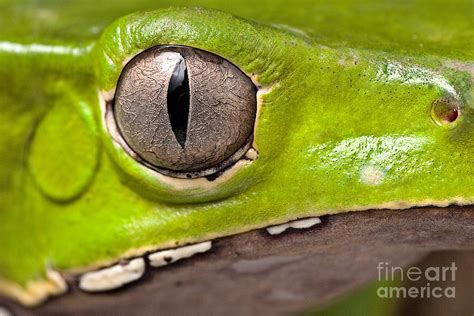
pixel 178 101
pixel 182 110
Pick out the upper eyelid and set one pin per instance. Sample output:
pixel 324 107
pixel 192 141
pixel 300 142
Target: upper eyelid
pixel 133 34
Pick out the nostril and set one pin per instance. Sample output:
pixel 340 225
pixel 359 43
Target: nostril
pixel 444 111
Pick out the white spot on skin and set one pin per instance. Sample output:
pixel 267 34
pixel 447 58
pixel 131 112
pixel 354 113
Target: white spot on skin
pixel 396 155
pixel 251 154
pixel 298 224
pixel 349 60
pixel 94 30
pixel 46 15
pixel 372 175
pixel 4 311
pixel 112 277
pixel 165 257
pixel 410 74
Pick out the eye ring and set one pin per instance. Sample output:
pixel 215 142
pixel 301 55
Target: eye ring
pixel 221 106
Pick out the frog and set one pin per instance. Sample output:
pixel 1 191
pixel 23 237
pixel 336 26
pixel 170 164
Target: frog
pixel 325 115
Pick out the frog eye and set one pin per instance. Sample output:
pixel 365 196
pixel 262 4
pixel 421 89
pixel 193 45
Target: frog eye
pixel 185 112
pixel 445 112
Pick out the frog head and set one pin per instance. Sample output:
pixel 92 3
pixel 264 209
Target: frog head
pixel 290 129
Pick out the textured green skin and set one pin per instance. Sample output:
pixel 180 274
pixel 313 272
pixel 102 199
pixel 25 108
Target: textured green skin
pixel 69 199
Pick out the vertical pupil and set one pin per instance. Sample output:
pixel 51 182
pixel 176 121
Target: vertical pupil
pixel 178 101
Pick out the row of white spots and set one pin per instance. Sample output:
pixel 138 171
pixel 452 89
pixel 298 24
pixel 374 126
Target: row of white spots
pixel 123 273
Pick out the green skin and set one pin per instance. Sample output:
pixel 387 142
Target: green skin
pixel 344 124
